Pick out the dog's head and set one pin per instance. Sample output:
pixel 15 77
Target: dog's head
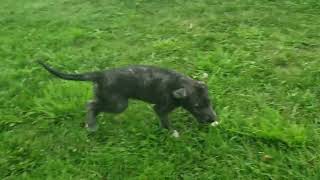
pixel 194 98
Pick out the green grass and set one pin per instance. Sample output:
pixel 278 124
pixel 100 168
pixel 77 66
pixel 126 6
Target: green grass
pixel 263 61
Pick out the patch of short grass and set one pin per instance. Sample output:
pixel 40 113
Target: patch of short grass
pixel 263 65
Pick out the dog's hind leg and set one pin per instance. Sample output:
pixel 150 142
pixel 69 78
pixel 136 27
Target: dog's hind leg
pixel 114 103
pixel 92 112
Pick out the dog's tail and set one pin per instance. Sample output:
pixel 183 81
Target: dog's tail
pixel 93 76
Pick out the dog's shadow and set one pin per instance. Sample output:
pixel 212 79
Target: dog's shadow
pixel 115 128
pixel 124 132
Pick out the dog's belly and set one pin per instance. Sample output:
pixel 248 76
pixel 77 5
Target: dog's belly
pixel 152 97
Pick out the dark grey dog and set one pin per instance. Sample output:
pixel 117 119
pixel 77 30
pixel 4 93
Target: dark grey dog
pixel 164 88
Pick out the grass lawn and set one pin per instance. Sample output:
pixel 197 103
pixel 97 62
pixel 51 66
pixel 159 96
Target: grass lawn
pixel 263 61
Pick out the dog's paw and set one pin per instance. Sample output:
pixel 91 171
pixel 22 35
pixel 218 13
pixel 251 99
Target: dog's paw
pixel 91 128
pixel 175 134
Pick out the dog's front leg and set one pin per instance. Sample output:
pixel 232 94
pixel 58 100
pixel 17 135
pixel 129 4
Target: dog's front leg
pixel 163 114
pixel 92 112
pixel 164 121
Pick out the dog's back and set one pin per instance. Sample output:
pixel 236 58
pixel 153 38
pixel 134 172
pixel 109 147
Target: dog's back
pixel 142 82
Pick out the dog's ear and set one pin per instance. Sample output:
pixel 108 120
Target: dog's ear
pixel 180 93
pixel 200 85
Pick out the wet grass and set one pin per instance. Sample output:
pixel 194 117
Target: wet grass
pixel 263 62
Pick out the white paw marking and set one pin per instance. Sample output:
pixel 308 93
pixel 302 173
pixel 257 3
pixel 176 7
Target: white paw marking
pixel 175 134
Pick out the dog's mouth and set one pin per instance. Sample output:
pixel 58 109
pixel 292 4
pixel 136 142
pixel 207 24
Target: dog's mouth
pixel 207 119
pixel 203 119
